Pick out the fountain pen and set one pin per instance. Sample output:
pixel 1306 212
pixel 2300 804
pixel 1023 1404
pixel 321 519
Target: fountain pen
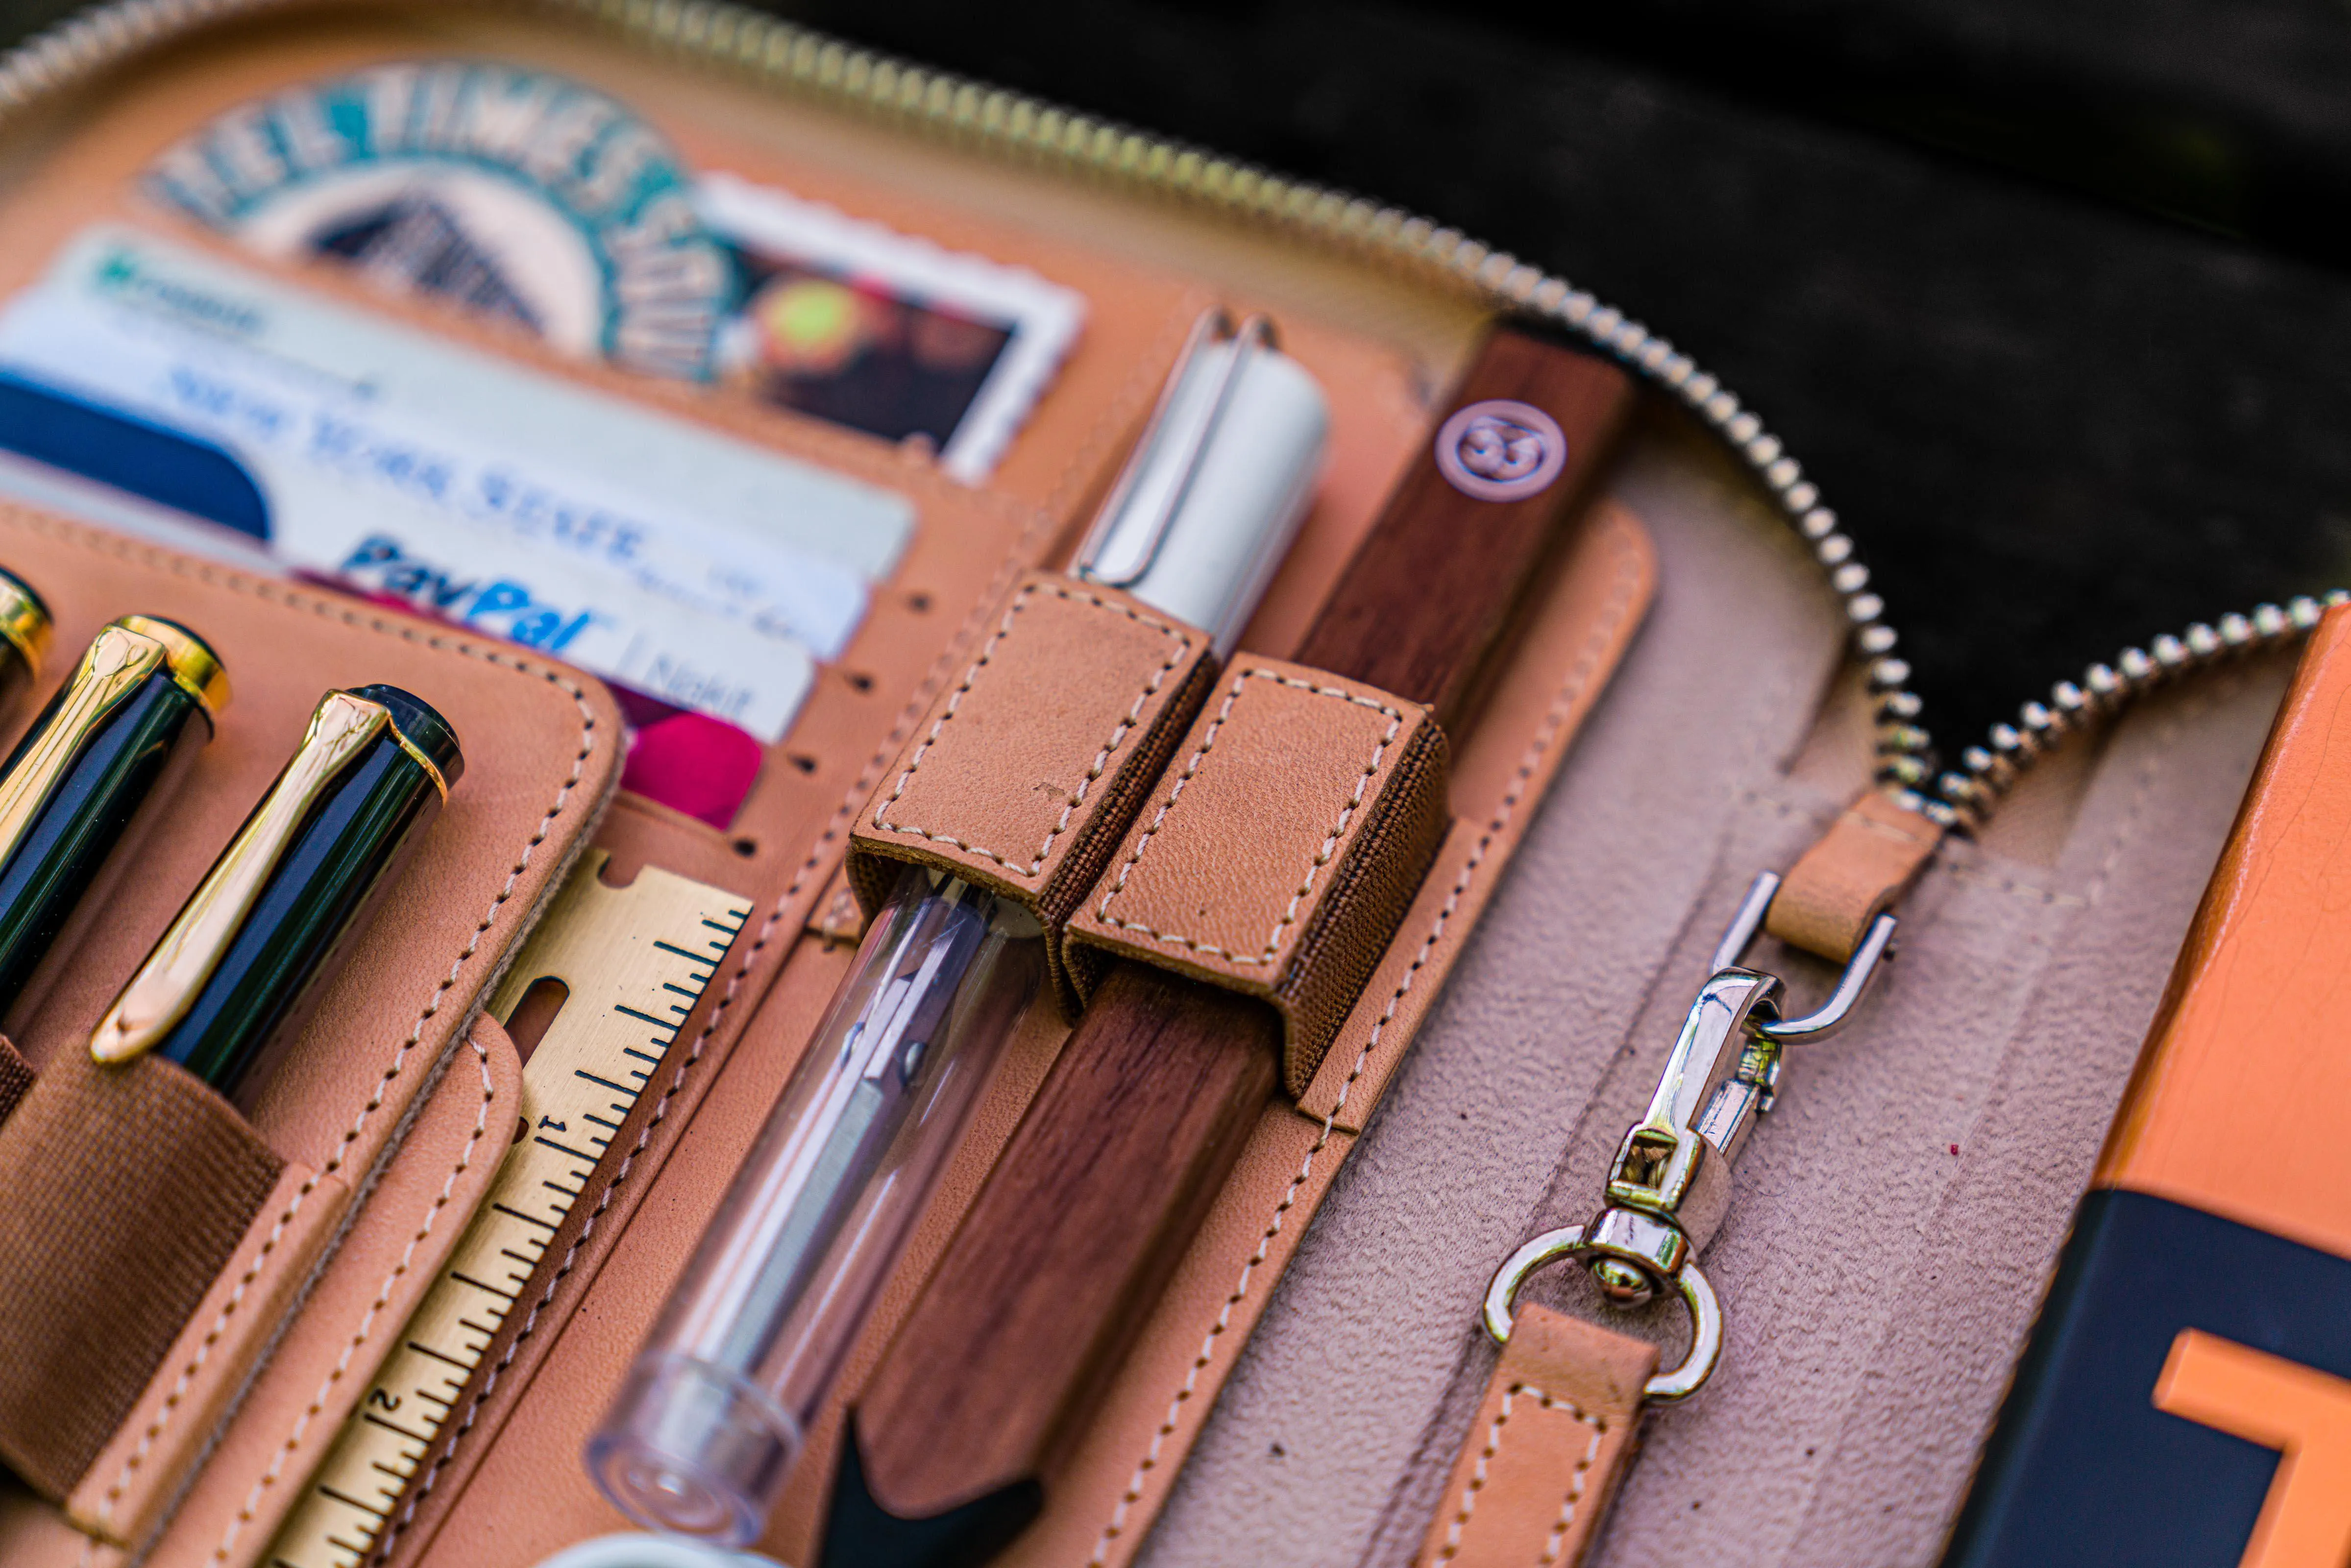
pixel 126 724
pixel 241 969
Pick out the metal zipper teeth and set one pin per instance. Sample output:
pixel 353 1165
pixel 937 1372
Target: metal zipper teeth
pixel 1014 126
pixel 1972 791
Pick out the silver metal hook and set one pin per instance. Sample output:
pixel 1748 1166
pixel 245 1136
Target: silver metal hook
pixel 1877 946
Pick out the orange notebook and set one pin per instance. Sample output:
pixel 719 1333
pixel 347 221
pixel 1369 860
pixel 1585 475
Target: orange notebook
pixel 2185 1399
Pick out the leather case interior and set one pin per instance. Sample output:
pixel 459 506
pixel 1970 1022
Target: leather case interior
pixel 1301 1389
pixel 354 1101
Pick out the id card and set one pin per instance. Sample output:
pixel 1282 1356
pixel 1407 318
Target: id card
pixel 699 570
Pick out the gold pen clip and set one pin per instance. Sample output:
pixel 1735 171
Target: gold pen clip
pixel 123 654
pixel 166 985
pixel 23 622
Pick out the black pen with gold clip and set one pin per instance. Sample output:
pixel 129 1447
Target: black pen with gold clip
pixel 239 971
pixel 137 708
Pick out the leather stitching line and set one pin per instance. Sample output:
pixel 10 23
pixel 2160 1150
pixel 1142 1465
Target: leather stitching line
pixel 1571 690
pixel 367 1319
pixel 1322 856
pixel 1479 1472
pixel 1101 760
pixel 351 616
pixel 852 801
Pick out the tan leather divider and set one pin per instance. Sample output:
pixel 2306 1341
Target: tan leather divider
pixel 1026 770
pixel 1280 852
pixel 542 755
pixel 294 1409
pixel 1850 876
pixel 127 1189
pixel 1560 1422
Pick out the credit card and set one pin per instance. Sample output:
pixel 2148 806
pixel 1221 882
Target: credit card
pixel 697 569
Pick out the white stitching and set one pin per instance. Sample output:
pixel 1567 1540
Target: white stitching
pixel 294 599
pixel 1183 645
pixel 846 809
pixel 367 1319
pixel 1322 856
pixel 1477 1474
pixel 1579 679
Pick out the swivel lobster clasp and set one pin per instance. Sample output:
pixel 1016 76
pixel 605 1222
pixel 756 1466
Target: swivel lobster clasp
pixel 1670 1183
pixel 1669 1186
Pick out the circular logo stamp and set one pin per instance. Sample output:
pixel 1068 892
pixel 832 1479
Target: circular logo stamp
pixel 1500 450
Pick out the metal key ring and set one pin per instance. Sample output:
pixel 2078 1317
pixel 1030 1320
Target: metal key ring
pixel 1705 1312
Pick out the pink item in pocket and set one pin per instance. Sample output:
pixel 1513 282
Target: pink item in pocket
pixel 696 764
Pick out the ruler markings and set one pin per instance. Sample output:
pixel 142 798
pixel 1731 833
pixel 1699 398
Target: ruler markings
pixel 612 948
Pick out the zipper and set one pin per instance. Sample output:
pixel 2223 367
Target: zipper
pixel 1014 125
pixel 1966 796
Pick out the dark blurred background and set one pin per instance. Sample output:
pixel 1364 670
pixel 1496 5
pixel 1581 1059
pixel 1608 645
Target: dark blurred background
pixel 2051 298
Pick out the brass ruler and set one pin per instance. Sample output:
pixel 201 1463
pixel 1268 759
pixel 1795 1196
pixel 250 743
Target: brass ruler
pixel 633 961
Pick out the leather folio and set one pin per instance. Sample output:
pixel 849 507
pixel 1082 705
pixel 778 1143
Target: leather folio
pixel 1673 714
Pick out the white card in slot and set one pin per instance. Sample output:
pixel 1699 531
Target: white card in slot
pixel 690 566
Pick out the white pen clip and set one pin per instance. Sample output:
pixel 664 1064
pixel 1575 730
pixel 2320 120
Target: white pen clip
pixel 1211 497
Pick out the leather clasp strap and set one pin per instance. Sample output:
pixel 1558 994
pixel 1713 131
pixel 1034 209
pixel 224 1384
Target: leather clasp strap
pixel 1836 889
pixel 1551 1439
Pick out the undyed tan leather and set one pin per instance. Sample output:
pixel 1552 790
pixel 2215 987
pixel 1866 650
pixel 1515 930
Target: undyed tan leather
pixel 337 1102
pixel 413 1217
pixel 1329 1445
pixel 1550 1443
pixel 1869 856
pixel 120 1497
pixel 791 805
pixel 129 1189
pixel 1877 1287
pixel 1281 850
pixel 1028 768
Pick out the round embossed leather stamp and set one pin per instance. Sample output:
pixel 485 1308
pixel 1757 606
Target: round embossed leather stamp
pixel 1500 450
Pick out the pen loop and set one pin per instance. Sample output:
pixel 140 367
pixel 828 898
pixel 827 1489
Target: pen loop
pixel 167 983
pixel 1110 556
pixel 118 659
pixel 1669 1186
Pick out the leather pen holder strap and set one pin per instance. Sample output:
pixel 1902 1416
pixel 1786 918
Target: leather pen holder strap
pixel 1280 854
pixel 129 1188
pixel 1026 770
